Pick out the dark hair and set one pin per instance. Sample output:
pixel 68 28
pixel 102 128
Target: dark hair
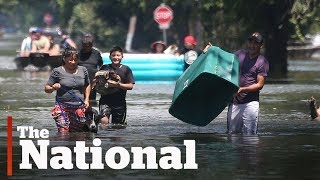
pixel 116 48
pixel 87 39
pixel 69 51
pixel 88 35
pixel 63 32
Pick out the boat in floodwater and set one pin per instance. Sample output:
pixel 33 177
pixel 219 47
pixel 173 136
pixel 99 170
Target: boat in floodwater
pixel 39 60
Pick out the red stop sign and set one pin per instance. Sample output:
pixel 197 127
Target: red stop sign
pixel 163 14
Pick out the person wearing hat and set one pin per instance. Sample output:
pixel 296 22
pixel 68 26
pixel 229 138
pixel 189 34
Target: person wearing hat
pixel 243 111
pixel 190 52
pixel 158 47
pixel 26 45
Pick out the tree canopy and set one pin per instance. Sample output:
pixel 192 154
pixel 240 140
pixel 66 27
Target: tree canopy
pixel 225 23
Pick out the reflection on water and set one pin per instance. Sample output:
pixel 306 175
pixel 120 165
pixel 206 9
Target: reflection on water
pixel 286 147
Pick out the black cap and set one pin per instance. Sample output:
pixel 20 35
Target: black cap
pixel 256 37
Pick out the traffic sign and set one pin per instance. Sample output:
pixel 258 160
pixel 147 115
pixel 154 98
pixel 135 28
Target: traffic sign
pixel 163 15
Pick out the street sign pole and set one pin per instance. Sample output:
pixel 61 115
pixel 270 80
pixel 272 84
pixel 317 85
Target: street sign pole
pixel 163 16
pixel 164 35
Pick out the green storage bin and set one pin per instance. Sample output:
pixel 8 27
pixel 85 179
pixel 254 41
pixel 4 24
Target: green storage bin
pixel 204 90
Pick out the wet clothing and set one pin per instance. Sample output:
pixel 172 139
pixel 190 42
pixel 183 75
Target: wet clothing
pixel 68 117
pixel 243 112
pixel 249 71
pixel 118 113
pixel 69 106
pixel 75 83
pixel 118 98
pixel 243 118
pixel 115 104
pixel 26 44
pixel 92 61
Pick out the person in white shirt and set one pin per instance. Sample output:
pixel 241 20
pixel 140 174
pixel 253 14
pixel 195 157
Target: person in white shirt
pixel 26 45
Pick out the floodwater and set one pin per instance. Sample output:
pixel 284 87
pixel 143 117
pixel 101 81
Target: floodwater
pixel 286 147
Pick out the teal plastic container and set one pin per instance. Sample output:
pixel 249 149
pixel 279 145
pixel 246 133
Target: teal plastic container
pixel 204 90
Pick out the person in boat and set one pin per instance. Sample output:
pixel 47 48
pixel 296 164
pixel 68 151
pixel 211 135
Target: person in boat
pixel 243 111
pixel 189 51
pixel 91 59
pixel 66 40
pixel 72 85
pixel 114 103
pixel 158 47
pixel 172 49
pixel 54 49
pixel 26 45
pixel 41 43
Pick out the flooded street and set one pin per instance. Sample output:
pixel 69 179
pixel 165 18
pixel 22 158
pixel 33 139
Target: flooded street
pixel 286 147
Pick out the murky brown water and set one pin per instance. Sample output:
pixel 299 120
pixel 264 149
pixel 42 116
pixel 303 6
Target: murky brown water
pixel 287 146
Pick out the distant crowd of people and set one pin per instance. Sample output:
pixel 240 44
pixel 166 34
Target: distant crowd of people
pixel 189 51
pixel 40 41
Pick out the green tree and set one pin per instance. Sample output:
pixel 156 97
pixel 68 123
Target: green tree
pixel 226 23
pixel 232 22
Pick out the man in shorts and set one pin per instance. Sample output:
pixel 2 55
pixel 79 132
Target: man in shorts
pixel 114 104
